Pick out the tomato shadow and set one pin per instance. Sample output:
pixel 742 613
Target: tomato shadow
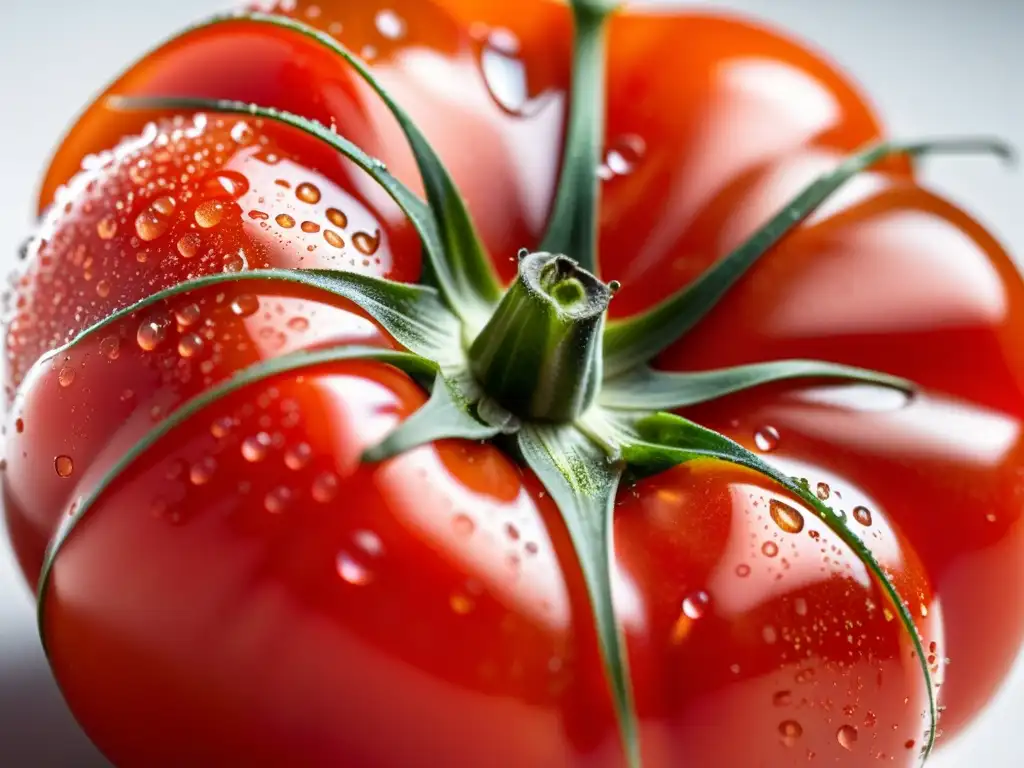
pixel 36 728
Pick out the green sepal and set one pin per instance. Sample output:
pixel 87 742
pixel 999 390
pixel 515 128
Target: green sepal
pixel 573 223
pixel 645 389
pixel 413 314
pixel 448 413
pixel 583 482
pixel 632 342
pixel 261 371
pixel 463 271
pixel 667 440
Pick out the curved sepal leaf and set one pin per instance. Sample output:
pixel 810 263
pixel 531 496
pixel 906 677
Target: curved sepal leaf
pixel 446 414
pixel 629 343
pixel 667 440
pixel 582 482
pixel 462 270
pixel 303 360
pixel 645 389
pixel 573 224
pixel 413 314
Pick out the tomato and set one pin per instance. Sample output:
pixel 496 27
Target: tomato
pixel 250 592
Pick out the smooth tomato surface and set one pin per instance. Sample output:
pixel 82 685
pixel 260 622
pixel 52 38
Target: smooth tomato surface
pixel 248 592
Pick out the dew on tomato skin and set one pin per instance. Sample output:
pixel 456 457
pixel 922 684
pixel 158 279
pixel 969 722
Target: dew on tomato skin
pixel 221 426
pixel 364 242
pixel 770 549
pixel 782 698
pixel 226 183
pixel 242 133
pixel 695 606
pixel 769 634
pixel 256 215
pixel 463 525
pixel 202 471
pixel 188 315
pixel 337 218
pixel 19 426
pixel 188 245
pixel 309 226
pixel 110 347
pixel 389 24
pixel 334 239
pixel 743 570
pixel 308 193
pixel 235 262
pixel 823 491
pixel 245 305
pixel 622 157
pixel 461 604
pixel 284 220
pixel 766 439
pixel 150 335
pixel 846 736
pixel 278 500
pixel 298 324
pixel 504 73
pixel 66 377
pixel 209 213
pixel 369 542
pixel 298 456
pixel 786 517
pixel 154 222
pixel 800 606
pixel 862 515
pixel 190 345
pixel 790 731
pixel 64 465
pixel 325 487
pixel 255 448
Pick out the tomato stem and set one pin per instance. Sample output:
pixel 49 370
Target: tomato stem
pixel 540 356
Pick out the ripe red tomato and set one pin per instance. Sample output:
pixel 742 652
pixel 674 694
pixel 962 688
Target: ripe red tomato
pixel 249 592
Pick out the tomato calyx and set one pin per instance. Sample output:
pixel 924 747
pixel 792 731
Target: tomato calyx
pixel 539 362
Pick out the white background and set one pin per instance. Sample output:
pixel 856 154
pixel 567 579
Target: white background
pixel 932 67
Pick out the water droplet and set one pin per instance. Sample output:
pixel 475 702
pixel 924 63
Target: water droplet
pixel 766 439
pixel 390 24
pixel 103 289
pixel 337 218
pixel 769 634
pixel 909 744
pixel 800 606
pixel 461 604
pixel 242 133
pixel 230 184
pixel 743 570
pixel 66 377
pixel 255 448
pixel 788 519
pixel 258 215
pixel 365 243
pixel 298 456
pixel 770 549
pixel 221 426
pixel 19 426
pixel 209 213
pixel 823 491
pixel 156 219
pixel 188 245
pixel 696 605
pixel 235 262
pixel 333 238
pixel 782 698
pixel 307 193
pixel 790 731
pixel 309 226
pixel 202 471
pixel 106 227
pixel 277 500
pixel 64 465
pixel 463 525
pixel 325 487
pixel 187 315
pixel 190 345
pixel 862 515
pixel 245 305
pixel 622 157
pixel 110 347
pixel 298 324
pixel 284 220
pixel 352 571
pixel 150 335
pixel 846 736
pixel 504 73
pixel 369 542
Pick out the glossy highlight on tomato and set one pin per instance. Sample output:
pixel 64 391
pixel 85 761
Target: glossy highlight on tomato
pixel 250 591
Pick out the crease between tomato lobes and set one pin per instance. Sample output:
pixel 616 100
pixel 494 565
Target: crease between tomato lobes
pixel 843 748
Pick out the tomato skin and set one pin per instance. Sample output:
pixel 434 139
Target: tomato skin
pixel 215 575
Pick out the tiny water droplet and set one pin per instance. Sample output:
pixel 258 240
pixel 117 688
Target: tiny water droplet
pixel 307 193
pixel 150 335
pixel 800 606
pixel 202 471
pixel 743 570
pixel 254 448
pixel 769 634
pixel 369 542
pixel 696 605
pixel 66 377
pixel 106 227
pixel 352 571
pixel 770 549
pixel 390 24
pixel 862 515
pixel 365 243
pixel 277 500
pixel 790 731
pixel 221 426
pixel 766 439
pixel 622 157
pixel 245 305
pixel 64 465
pixel 846 736
pixel 284 220
pixel 325 487
pixel 187 315
pixel 298 324
pixel 786 517
pixel 337 218
pixel 298 456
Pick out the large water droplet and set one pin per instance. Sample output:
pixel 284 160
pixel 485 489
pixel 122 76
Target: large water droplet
pixel 366 243
pixel 790 731
pixel 156 219
pixel 66 377
pixel 846 736
pixel 106 227
pixel 209 213
pixel 766 439
pixel 337 218
pixel 333 238
pixel 150 334
pixel 308 193
pixel 862 515
pixel 284 221
pixel 64 465
pixel 504 73
pixel 696 605
pixel 245 305
pixel 786 517
pixel 188 245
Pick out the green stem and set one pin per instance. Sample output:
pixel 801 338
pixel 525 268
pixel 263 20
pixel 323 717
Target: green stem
pixel 572 228
pixel 539 356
